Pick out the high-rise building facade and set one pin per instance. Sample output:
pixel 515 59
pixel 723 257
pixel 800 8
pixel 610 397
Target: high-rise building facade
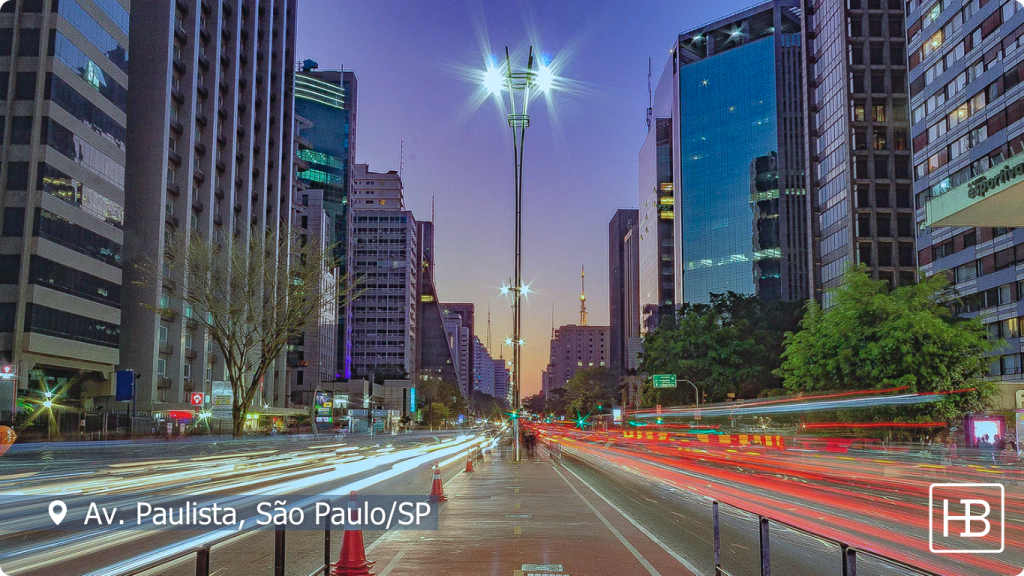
pixel 860 205
pixel 435 359
pixel 501 381
pixel 386 268
pixel 63 117
pixel 312 358
pixel 967 104
pixel 210 154
pixel 623 284
pixel 740 200
pixel 327 99
pixel 483 369
pixel 657 242
pixel 464 312
pixel 576 348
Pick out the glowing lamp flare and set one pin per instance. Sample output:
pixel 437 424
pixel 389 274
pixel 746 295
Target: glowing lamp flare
pixel 545 79
pixel 494 80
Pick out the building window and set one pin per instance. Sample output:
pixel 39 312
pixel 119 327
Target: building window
pixel 162 331
pixel 161 367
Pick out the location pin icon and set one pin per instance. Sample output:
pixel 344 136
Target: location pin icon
pixel 57 511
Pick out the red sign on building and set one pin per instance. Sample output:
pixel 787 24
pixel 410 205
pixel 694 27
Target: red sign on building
pixel 196 398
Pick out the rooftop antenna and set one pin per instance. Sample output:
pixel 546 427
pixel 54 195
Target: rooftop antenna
pixel 431 207
pixel 401 163
pixel 552 320
pixel 488 326
pixel 583 296
pixel 650 96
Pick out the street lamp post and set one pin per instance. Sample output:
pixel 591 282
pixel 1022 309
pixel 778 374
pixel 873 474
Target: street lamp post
pixel 695 391
pixel 518 84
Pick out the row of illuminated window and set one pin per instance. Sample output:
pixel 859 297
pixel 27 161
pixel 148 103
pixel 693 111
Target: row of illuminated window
pixel 321 159
pixel 43 272
pixel 975 168
pixel 62 231
pixel 91 29
pixel 995 123
pixel 880 139
pixel 68 53
pixel 992 298
pixel 60 324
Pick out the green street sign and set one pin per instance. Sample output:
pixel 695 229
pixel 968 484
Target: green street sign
pixel 664 380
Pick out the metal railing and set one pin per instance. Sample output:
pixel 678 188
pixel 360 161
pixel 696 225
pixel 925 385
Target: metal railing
pixel 847 552
pixel 204 553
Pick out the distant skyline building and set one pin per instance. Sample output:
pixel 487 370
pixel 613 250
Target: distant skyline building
pixel 968 136
pixel 385 263
pixel 575 348
pixel 210 153
pixel 741 208
pixel 483 373
pixel 501 380
pixel 328 100
pixel 313 359
pixel 858 164
pixel 465 311
pixel 623 286
pixel 657 229
pixel 64 82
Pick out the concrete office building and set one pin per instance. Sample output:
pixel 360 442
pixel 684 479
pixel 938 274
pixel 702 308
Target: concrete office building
pixel 860 208
pixel 313 358
pixel 210 153
pixel 967 104
pixel 63 117
pixel 328 99
pixel 458 340
pixel 623 286
pixel 465 311
pixel 740 204
pixel 483 369
pixel 657 235
pixel 502 389
pixel 385 263
pixel 576 348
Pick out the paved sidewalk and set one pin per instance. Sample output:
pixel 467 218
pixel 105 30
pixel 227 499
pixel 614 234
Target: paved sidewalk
pixel 505 516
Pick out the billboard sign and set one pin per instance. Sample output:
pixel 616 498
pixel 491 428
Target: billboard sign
pixel 221 393
pixel 196 398
pixel 412 399
pixel 125 388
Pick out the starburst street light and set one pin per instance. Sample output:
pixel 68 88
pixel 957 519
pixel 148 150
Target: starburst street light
pixel 520 85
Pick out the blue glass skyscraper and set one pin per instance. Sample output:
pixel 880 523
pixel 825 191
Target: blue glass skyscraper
pixel 740 200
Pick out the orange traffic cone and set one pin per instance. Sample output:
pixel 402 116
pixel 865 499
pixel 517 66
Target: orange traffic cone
pixel 469 462
pixel 353 560
pixel 436 488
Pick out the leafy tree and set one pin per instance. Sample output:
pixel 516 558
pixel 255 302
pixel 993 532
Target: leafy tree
pixel 877 338
pixel 557 402
pixel 438 414
pixel 434 392
pixel 590 388
pixel 534 403
pixel 731 344
pixel 251 297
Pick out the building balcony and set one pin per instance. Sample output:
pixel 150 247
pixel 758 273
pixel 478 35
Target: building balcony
pixel 205 34
pixel 168 283
pixel 201 89
pixel 198 175
pixel 174 189
pixel 191 323
pixel 179 65
pixel 166 348
pixel 201 119
pixel 163 382
pixel 219 193
pixel 218 220
pixel 238 206
pixel 174 157
pixel 171 221
pixel 197 205
pixel 191 354
pixel 221 168
pixel 177 127
pixel 200 148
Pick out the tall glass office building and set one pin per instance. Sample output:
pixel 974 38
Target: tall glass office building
pixel 740 201
pixel 327 99
pixel 63 104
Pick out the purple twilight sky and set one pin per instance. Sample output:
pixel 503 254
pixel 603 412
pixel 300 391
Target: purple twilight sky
pixel 415 62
